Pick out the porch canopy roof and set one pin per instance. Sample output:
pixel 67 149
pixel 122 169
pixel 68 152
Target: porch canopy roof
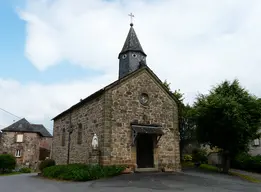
pixel 148 129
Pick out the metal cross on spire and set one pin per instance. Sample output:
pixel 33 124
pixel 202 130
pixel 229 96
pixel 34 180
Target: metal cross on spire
pixel 131 17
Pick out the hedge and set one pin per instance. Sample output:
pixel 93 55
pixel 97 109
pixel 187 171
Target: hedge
pixel 187 157
pixel 199 156
pixel 247 162
pixel 7 163
pixel 46 163
pixel 81 172
pixel 25 170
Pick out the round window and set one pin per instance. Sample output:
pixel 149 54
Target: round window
pixel 134 55
pixel 144 98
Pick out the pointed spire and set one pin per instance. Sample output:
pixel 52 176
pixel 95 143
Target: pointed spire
pixel 132 42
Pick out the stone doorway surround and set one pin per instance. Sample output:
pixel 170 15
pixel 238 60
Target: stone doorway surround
pixel 155 132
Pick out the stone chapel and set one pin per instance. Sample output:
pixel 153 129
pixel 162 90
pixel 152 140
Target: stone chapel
pixel 135 119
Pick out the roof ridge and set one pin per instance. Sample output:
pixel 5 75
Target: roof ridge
pixel 25 126
pixel 102 90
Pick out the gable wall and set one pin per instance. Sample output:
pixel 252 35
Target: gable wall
pixel 90 115
pixel 126 108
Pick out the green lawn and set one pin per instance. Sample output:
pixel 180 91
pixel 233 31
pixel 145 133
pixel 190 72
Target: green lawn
pixel 7 174
pixel 246 177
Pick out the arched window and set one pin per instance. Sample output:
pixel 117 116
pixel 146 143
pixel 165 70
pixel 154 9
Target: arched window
pixel 63 137
pixel 79 138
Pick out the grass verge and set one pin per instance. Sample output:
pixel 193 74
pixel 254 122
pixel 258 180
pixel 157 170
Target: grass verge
pixel 245 177
pixel 8 174
pixel 242 176
pixel 187 164
pixel 212 168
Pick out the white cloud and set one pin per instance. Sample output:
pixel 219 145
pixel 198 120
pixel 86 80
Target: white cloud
pixel 40 103
pixel 192 44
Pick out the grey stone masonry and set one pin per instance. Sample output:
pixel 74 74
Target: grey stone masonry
pixel 91 116
pixel 110 116
pixel 161 109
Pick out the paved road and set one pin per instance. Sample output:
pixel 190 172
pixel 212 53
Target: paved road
pixel 183 182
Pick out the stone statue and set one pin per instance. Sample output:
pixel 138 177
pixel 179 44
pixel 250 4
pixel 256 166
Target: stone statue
pixel 95 142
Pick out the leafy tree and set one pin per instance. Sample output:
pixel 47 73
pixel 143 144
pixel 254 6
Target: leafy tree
pixel 186 122
pixel 228 118
pixel 176 93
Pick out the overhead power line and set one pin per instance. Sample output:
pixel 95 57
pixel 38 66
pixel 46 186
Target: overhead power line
pixel 10 113
pixel 50 130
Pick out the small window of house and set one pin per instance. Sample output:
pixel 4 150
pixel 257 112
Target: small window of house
pixel 79 138
pixel 18 153
pixel 19 138
pixel 256 142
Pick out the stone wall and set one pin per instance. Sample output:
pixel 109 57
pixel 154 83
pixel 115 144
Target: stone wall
pixel 91 116
pixel 126 108
pixel 46 142
pixel 29 147
pixel 110 115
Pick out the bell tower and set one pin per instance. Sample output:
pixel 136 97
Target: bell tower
pixel 131 54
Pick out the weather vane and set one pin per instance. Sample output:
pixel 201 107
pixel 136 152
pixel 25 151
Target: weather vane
pixel 131 17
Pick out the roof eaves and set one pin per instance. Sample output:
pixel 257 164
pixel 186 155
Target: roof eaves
pixel 101 91
pixel 96 94
pixel 89 98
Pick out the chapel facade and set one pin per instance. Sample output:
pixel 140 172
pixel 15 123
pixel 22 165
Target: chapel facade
pixel 135 119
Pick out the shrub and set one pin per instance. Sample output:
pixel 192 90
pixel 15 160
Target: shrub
pixel 25 170
pixel 81 172
pixel 199 156
pixel 247 162
pixel 187 157
pixel 7 163
pixel 46 163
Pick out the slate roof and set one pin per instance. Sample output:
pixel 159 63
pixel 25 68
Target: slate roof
pixel 101 91
pixel 132 43
pixel 24 126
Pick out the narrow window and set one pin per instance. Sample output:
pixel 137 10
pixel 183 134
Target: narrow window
pixel 63 137
pixel 79 138
pixel 18 153
pixel 19 138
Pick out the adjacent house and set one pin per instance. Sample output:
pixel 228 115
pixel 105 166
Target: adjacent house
pixel 29 143
pixel 255 148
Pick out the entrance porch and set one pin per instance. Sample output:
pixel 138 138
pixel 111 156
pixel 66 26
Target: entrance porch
pixel 144 146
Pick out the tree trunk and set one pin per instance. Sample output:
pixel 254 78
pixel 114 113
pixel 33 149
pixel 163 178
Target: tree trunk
pixel 225 162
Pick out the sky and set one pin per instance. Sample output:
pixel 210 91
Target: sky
pixel 55 52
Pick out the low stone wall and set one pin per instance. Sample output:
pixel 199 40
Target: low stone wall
pixel 214 158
